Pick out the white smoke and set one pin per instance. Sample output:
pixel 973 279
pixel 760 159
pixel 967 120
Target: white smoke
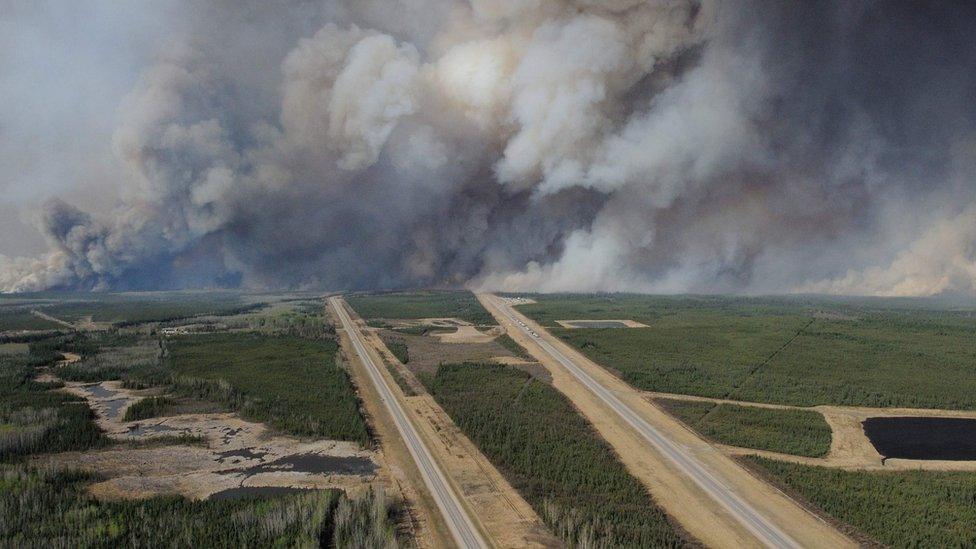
pixel 942 260
pixel 666 145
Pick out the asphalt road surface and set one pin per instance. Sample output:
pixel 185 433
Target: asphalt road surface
pixel 462 527
pixel 764 530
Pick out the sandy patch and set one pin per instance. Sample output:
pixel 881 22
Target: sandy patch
pixel 600 323
pixel 433 322
pixel 69 358
pixel 516 301
pixel 511 360
pixel 470 334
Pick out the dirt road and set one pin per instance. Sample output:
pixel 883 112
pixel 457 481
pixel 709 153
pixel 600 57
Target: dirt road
pixel 714 498
pixel 50 318
pixel 462 525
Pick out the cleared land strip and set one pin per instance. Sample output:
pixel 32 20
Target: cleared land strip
pixel 712 496
pixel 50 318
pixel 462 527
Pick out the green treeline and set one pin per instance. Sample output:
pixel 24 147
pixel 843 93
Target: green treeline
pixel 33 418
pixel 801 352
pixel 43 508
pixel 397 346
pixel 798 432
pixel 462 305
pixel 148 407
pixel 896 508
pixel 290 382
pixel 513 346
pixel 552 456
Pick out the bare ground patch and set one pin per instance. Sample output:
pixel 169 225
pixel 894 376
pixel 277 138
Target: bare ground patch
pixel 600 323
pixel 427 352
pixel 235 453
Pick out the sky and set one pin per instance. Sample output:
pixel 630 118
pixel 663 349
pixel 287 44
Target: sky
pixel 549 145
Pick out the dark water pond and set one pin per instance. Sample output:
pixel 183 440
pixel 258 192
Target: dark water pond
pixel 255 491
pixel 947 438
pixel 597 324
pixel 113 407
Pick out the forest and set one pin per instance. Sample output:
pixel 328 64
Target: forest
pixel 896 508
pixel 798 351
pixel 428 304
pixel 797 432
pixel 552 456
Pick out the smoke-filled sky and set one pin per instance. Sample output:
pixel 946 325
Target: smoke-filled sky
pixel 658 146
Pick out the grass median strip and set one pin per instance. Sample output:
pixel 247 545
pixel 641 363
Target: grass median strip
pixel 797 432
pixel 552 456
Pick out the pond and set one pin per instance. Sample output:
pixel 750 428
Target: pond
pixel 944 438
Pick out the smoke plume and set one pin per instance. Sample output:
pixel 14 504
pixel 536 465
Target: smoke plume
pixel 648 145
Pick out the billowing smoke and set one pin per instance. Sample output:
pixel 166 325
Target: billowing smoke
pixel 655 145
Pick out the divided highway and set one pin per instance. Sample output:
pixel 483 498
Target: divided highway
pixel 462 527
pixel 760 526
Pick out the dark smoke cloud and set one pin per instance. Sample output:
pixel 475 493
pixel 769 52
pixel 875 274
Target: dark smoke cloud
pixel 540 144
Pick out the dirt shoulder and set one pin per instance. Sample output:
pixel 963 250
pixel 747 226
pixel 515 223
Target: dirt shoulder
pixel 696 511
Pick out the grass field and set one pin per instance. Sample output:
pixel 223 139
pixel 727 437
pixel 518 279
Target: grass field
pixel 17 318
pixel 290 382
pixel 13 348
pixel 552 456
pixel 411 305
pixel 798 432
pixel 781 350
pixel 897 509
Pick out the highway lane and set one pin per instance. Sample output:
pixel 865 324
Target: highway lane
pixel 760 526
pixel 462 527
